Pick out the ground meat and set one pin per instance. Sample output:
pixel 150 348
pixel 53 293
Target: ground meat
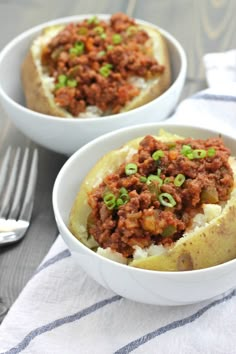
pixel 97 59
pixel 143 217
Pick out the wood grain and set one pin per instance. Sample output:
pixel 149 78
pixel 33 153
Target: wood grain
pixel 201 26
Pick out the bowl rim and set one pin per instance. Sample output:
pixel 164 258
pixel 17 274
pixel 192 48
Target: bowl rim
pixel 83 120
pixel 100 139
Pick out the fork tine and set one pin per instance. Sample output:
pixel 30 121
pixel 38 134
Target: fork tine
pixel 27 206
pixel 4 168
pixel 14 212
pixel 10 186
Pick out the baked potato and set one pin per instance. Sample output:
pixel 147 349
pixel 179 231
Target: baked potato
pixel 163 203
pixel 95 68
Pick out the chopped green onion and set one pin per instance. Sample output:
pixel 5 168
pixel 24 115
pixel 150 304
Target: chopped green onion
pixel 102 53
pixel 77 49
pixel 123 191
pixel 143 179
pixel 99 29
pixel 116 38
pixel 199 153
pixel 119 202
pixel 167 180
pixel 105 70
pixel 168 231
pixel 71 83
pixel 152 178
pixel 103 36
pixel 123 197
pixel 157 154
pixel 109 66
pixel 186 149
pixel 211 152
pixel 62 79
pixel 179 180
pixel 190 156
pixel 159 172
pixel 110 47
pixel 93 20
pixel 131 30
pixel 109 200
pixel 131 168
pixel 167 200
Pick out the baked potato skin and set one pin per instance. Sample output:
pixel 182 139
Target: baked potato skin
pixel 213 245
pixel 159 85
pixel 203 247
pixel 36 96
pixel 109 163
pixel 39 99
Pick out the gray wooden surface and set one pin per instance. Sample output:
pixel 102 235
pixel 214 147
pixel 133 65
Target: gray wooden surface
pixel 200 25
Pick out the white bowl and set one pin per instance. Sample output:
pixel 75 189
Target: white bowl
pixel 66 135
pixel 152 287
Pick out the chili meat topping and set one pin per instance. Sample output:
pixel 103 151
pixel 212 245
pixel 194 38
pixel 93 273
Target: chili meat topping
pixel 93 62
pixel 153 198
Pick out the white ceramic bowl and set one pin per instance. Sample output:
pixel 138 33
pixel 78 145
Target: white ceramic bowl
pixel 67 135
pixel 152 287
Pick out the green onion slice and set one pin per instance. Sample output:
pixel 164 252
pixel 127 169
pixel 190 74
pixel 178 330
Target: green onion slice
pixel 102 53
pixel 186 149
pixel 179 180
pixel 131 168
pixel 105 70
pixel 131 30
pixel 103 36
pixel 199 153
pixel 71 83
pixel 77 49
pixel 109 200
pixel 62 80
pixel 159 172
pixel 143 179
pixel 93 20
pixel 190 155
pixel 99 29
pixel 157 154
pixel 110 47
pixel 120 202
pixel 167 200
pixel 211 152
pixel 116 38
pixel 167 180
pixel 123 197
pixel 152 178
pixel 123 190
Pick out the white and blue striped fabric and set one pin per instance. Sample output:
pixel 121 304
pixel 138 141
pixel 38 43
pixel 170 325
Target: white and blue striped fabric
pixel 62 311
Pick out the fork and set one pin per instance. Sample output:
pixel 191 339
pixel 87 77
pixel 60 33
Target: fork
pixel 18 177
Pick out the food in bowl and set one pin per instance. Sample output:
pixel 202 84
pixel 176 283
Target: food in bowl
pixel 95 67
pixel 162 202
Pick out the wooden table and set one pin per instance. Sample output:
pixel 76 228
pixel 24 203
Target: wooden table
pixel 200 25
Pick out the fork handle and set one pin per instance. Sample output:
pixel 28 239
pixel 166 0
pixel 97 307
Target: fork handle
pixel 6 237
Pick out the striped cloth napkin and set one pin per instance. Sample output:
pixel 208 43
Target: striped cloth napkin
pixel 62 311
